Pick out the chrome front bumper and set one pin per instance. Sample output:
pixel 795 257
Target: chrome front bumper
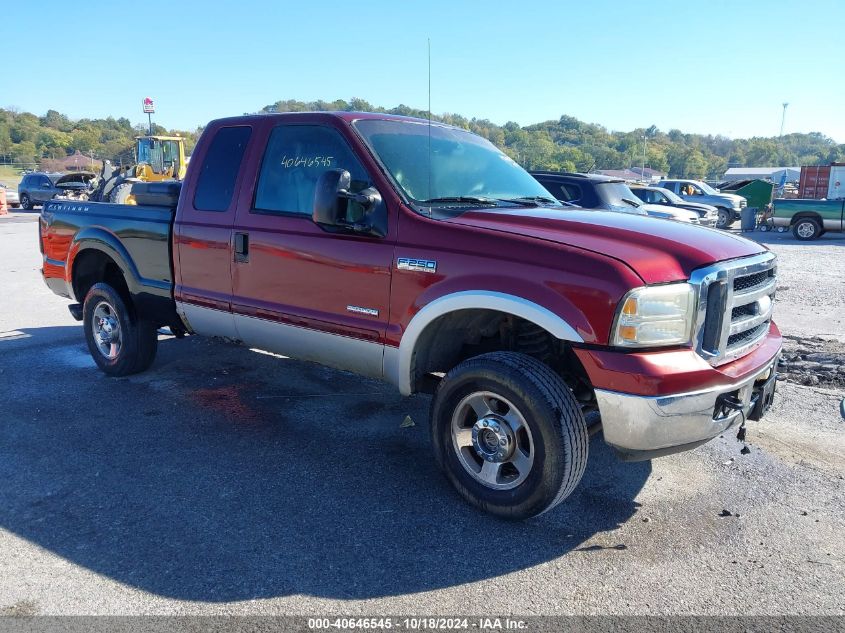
pixel 642 427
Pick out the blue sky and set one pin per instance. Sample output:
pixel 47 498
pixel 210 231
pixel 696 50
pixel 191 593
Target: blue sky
pixel 719 66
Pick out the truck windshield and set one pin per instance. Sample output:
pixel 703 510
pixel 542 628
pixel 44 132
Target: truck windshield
pixel 617 194
pixel 705 187
pixel 460 168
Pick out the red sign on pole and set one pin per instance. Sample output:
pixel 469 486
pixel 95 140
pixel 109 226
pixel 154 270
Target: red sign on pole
pixel 149 106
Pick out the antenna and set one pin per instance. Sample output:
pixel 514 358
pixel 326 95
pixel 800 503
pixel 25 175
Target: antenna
pixel 429 122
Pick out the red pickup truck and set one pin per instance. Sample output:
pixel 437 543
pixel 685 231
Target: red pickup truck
pixel 421 254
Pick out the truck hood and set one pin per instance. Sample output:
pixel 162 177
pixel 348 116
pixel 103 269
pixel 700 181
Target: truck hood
pixel 659 251
pixel 731 198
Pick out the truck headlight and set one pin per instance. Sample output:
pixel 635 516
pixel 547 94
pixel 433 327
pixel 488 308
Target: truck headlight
pixel 654 316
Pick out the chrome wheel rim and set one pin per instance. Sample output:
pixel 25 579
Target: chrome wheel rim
pixel 723 217
pixel 106 331
pixel 805 229
pixel 492 441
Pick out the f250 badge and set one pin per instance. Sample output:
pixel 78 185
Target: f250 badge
pixel 418 265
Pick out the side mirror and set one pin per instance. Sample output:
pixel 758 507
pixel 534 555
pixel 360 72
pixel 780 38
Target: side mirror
pixel 327 200
pixel 331 199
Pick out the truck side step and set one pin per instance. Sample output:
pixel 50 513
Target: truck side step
pixel 75 311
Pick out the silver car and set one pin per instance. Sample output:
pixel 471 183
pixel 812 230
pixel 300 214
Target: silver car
pixel 707 214
pixel 12 199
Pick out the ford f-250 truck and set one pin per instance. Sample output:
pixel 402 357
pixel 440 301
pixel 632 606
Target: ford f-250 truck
pixel 420 253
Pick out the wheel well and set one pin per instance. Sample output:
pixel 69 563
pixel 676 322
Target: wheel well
pixel 462 334
pixel 806 215
pixel 91 267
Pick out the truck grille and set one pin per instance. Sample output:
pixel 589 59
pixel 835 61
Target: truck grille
pixel 735 301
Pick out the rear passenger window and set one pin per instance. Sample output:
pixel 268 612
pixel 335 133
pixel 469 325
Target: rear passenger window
pixel 295 158
pixel 570 193
pixel 216 182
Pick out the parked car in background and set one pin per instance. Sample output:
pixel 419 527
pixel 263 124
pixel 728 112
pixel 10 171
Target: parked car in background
pixel 73 184
pixel 36 188
pixel 728 205
pixel 809 219
pixel 594 191
pixel 590 191
pixel 707 214
pixel 12 199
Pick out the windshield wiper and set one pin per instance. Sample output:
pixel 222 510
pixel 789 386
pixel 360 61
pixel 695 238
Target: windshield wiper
pixel 530 201
pixel 631 202
pixel 461 199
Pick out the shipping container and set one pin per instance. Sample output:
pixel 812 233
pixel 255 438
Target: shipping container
pixel 836 188
pixel 814 181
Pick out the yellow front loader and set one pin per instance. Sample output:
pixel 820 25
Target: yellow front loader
pixel 157 158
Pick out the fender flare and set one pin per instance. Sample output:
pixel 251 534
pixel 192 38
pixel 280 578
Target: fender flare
pixel 98 239
pixel 397 361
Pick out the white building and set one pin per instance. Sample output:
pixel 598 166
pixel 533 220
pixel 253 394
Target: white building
pixel 793 174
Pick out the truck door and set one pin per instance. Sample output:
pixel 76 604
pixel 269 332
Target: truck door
pixel 298 289
pixel 203 233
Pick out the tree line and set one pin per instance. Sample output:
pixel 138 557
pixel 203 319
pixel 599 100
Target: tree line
pixel 27 139
pixel 565 144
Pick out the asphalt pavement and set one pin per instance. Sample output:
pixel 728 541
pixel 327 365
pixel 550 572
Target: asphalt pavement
pixel 230 481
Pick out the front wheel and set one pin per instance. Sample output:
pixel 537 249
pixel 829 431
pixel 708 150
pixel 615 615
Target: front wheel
pixel 725 218
pixel 119 343
pixel 509 434
pixel 26 202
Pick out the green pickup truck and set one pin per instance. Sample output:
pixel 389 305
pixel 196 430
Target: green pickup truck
pixel 809 219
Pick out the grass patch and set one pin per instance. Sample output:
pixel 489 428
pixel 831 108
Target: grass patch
pixel 10 176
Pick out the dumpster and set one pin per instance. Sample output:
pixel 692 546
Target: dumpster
pixel 758 192
pixel 748 218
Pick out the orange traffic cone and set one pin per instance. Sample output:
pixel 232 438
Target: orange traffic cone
pixel 4 209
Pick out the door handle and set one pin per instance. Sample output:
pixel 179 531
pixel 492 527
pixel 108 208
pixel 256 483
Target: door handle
pixel 242 247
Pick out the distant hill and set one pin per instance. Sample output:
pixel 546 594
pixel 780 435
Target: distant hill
pixel 566 144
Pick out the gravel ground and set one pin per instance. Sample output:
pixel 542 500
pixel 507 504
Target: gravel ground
pixel 225 481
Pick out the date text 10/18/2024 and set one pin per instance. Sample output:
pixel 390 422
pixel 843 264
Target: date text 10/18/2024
pixel 418 624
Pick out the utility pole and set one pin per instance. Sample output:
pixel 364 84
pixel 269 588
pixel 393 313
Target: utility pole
pixel 645 141
pixel 783 117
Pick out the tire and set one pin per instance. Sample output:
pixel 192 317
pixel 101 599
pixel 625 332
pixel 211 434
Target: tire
pixel 725 218
pixel 531 430
pixel 118 341
pixel 26 202
pixel 806 229
pixel 121 193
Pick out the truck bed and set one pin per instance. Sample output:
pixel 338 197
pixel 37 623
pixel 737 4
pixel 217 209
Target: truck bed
pixel 137 239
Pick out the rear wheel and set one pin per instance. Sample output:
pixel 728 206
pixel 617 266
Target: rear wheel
pixel 119 343
pixel 807 229
pixel 26 202
pixel 509 434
